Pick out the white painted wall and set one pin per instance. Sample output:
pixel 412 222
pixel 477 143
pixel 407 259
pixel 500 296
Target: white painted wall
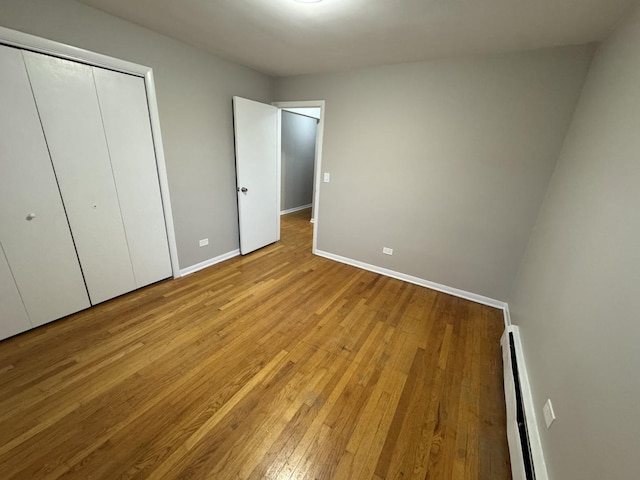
pixel 576 297
pixel 446 162
pixel 194 92
pixel 298 159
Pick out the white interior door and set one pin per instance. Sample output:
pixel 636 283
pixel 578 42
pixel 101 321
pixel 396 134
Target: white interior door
pixel 13 316
pixel 66 96
pixel 33 227
pixel 125 114
pixel 256 136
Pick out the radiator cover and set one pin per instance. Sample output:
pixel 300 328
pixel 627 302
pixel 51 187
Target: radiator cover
pixel 525 451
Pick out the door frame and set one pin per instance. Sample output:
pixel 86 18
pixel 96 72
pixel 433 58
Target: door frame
pixel 25 41
pixel 318 161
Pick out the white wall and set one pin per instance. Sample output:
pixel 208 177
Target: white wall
pixel 446 162
pixel 576 298
pixel 298 159
pixel 194 99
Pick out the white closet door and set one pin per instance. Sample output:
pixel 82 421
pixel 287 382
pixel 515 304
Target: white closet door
pixel 125 114
pixel 33 227
pixel 68 105
pixel 13 316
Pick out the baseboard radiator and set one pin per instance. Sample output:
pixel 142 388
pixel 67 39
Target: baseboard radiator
pixel 525 451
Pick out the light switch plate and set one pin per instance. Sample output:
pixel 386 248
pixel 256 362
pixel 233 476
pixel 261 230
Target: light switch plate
pixel 549 414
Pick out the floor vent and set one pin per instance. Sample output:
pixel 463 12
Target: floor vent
pixel 527 462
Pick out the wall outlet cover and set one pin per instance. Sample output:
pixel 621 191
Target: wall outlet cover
pixel 204 242
pixel 327 177
pixel 387 251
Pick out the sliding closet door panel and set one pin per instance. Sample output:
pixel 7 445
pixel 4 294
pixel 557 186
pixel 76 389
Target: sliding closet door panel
pixel 33 227
pixel 68 105
pixel 13 316
pixel 125 115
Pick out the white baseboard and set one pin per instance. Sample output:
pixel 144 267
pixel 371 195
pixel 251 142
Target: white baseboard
pixel 295 209
pixel 382 271
pixel 417 281
pixel 535 445
pixel 208 263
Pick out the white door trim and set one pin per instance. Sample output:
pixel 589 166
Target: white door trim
pixel 318 167
pixel 41 45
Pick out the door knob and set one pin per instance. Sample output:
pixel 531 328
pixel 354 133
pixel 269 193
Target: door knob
pixel 31 216
pixel 244 189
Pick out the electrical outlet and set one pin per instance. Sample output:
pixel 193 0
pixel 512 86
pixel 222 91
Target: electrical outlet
pixel 387 251
pixel 549 414
pixel 327 178
pixel 204 242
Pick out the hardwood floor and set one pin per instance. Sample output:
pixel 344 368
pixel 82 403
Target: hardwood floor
pixel 279 365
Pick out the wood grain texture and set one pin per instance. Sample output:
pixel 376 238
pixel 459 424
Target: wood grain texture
pixel 278 365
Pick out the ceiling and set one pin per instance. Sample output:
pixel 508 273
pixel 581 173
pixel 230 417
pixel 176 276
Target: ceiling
pixel 284 37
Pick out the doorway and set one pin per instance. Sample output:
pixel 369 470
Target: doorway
pixel 298 132
pixel 301 116
pixel 258 145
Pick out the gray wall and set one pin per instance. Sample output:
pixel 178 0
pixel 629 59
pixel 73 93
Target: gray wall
pixel 298 159
pixel 194 99
pixel 447 162
pixel 576 299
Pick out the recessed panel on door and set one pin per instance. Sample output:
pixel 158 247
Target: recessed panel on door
pixel 67 101
pixel 33 227
pixel 125 115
